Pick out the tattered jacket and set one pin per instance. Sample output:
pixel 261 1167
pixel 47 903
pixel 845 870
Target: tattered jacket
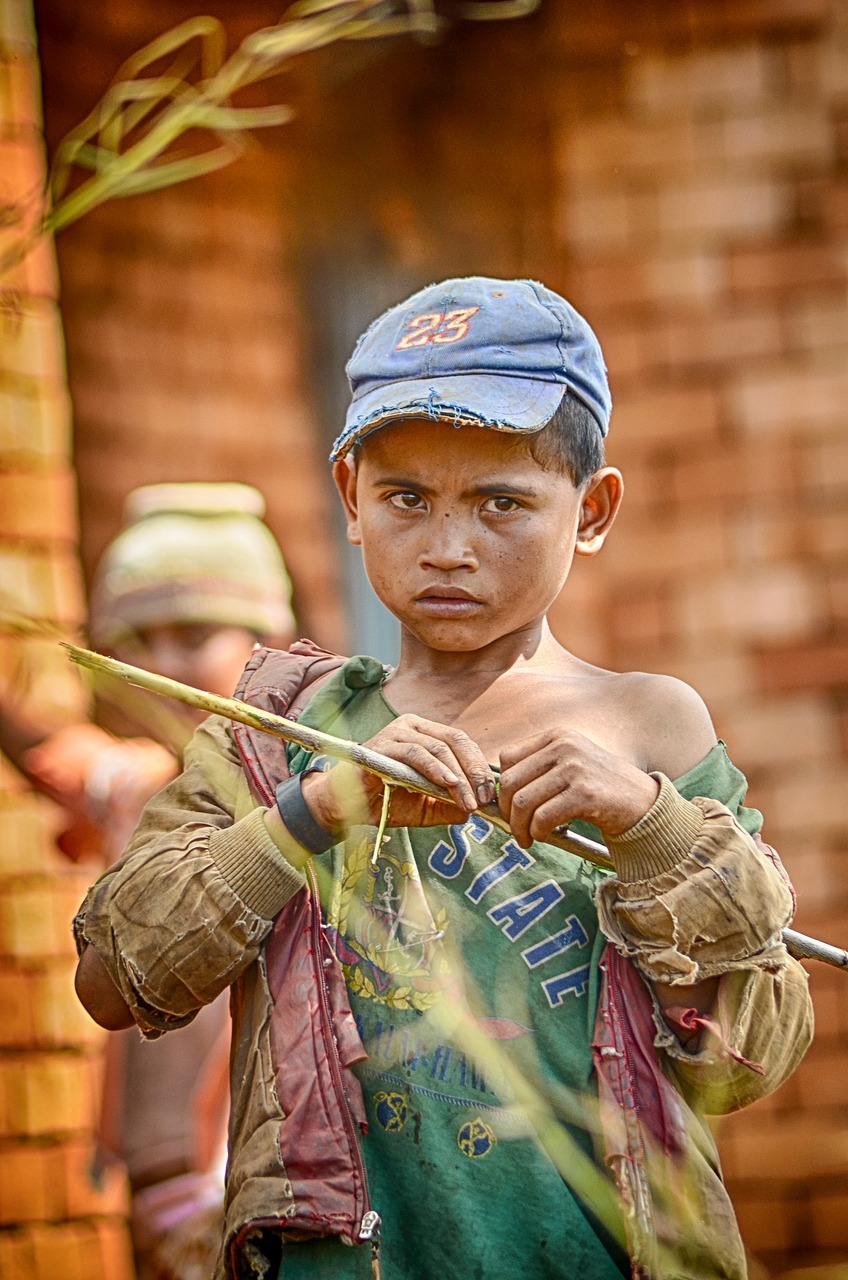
pixel 203 899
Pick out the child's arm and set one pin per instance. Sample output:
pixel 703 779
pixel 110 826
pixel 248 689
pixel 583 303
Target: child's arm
pixel 98 994
pixel 187 908
pixel 189 905
pixel 696 903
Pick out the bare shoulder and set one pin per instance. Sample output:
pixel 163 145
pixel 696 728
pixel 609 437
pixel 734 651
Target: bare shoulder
pixel 673 727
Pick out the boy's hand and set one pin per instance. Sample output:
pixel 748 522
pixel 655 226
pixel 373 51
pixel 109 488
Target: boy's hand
pixel 557 776
pixel 346 795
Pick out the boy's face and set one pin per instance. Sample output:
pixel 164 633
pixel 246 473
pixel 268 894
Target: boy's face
pixel 465 537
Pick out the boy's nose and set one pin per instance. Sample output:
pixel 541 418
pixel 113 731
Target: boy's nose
pixel 448 546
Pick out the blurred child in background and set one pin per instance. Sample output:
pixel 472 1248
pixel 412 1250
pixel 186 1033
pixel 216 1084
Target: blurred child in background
pixel 190 585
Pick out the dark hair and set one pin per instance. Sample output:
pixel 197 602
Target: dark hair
pixel 570 442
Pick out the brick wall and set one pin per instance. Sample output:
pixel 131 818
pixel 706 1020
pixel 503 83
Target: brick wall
pixel 705 221
pixel 52 1219
pixel 679 171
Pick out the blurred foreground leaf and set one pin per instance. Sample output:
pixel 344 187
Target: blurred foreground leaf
pixel 183 83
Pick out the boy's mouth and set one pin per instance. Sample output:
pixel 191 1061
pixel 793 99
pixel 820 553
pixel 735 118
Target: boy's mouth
pixel 447 602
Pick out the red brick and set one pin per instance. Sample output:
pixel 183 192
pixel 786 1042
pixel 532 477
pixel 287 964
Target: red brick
pixel 32 342
pixel 828 990
pixel 819 1149
pixel 20 101
pixel 26 843
pixel 765 1223
pixel 737 471
pixel 35 918
pixel 31 1184
pixel 765 536
pixel 836 207
pixel 780 730
pixel 634 280
pixel 811 870
pixel 668 84
pixel 826 534
pixel 790 399
pixel 771 604
pixel 599 221
pixel 644 485
pixel 615 144
pixel 34 424
pixel 49 1093
pixel 822 1081
pixel 825 465
pixel 818 324
pixel 702 342
pixel 660 416
pixel 21 168
pixel 624 354
pixel 666 549
pixel 812 798
pixel 58 1018
pixel 819 665
pixel 114 1249
pixel 716 208
pixel 16 1014
pixel 791 133
pixel 784 266
pixel 837 595
pixel 67 1249
pixel 576 613
pixel 38 505
pixel 830 1220
pixel 641 617
pixel 16 1260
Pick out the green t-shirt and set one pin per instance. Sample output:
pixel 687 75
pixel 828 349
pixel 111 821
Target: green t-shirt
pixel 472 968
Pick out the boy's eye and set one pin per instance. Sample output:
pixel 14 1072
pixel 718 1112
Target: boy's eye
pixel 501 505
pixel 406 501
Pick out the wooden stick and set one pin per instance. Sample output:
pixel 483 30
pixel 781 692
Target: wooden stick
pixel 390 771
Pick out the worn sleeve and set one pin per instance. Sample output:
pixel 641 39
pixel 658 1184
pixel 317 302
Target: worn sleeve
pixel 187 907
pixel 694 897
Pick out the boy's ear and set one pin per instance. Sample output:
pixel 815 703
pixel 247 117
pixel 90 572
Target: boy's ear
pixel 601 501
pixel 344 475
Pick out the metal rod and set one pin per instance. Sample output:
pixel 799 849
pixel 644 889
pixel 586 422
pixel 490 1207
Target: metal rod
pixel 392 771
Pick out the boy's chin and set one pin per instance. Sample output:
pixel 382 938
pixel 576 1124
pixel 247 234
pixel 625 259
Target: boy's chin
pixel 455 637
pixel 446 637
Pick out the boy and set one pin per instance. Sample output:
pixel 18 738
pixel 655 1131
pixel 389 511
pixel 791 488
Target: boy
pixel 513 1054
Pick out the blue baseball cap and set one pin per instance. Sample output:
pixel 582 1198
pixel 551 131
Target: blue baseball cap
pixel 475 351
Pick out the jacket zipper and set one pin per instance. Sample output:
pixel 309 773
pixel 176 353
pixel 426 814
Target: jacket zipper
pixel 370 1230
pixel 369 1226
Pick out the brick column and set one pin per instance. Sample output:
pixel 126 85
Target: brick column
pixel 53 1221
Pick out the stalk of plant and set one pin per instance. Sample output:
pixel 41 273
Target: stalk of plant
pixel 129 143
